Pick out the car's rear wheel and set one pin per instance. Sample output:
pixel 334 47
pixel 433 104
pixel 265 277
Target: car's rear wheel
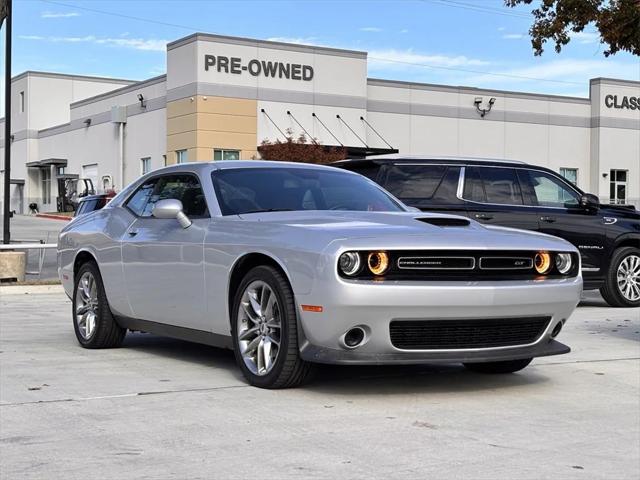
pixel 622 284
pixel 265 331
pixel 93 321
pixel 509 366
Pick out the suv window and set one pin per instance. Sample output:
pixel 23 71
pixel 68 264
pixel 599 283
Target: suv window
pixel 500 185
pixel 414 181
pixel 551 191
pixel 183 187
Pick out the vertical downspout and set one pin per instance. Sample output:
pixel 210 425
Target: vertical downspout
pixel 121 155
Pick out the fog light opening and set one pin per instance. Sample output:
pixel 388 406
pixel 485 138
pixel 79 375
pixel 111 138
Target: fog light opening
pixel 354 337
pixel 556 330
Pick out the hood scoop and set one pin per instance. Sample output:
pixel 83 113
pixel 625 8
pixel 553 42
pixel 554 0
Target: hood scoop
pixel 445 221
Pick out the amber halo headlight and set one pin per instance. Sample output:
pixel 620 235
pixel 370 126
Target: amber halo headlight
pixel 349 263
pixel 563 263
pixel 378 262
pixel 542 262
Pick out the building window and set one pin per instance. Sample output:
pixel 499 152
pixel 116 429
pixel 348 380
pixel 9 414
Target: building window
pixel 181 156
pixel 220 154
pixel 570 174
pixel 145 165
pixel 45 175
pixel 21 102
pixel 618 186
pixel 164 160
pixel 60 170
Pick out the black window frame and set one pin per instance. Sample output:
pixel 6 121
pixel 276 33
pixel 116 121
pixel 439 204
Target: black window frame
pixel 157 178
pixel 383 179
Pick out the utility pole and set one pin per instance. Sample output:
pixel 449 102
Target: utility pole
pixel 5 15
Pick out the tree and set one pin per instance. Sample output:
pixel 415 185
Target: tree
pixel 300 150
pixel 617 21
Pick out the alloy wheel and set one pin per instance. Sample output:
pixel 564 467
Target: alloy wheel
pixel 259 327
pixel 87 305
pixel 628 277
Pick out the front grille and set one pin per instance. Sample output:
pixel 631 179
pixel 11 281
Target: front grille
pixel 466 333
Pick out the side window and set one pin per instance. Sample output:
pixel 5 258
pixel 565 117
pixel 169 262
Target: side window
pixel 184 187
pixel 501 186
pixel 473 188
pixel 139 200
pixel 369 171
pixel 550 191
pixel 414 181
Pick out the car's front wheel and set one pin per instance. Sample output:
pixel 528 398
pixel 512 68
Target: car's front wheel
pixel 93 321
pixel 622 284
pixel 265 332
pixel 509 366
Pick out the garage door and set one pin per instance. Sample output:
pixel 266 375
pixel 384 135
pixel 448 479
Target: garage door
pixel 91 172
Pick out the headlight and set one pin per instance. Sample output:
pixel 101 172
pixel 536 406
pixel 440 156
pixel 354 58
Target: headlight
pixel 542 262
pixel 563 263
pixel 378 262
pixel 349 263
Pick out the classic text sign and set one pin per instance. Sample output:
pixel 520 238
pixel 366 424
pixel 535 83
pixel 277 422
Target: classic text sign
pixel 265 68
pixel 629 103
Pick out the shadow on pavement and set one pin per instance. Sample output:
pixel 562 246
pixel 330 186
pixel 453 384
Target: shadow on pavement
pixel 348 379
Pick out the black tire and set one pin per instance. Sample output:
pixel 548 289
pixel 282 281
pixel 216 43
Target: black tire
pixel 288 370
pixel 509 366
pixel 610 290
pixel 107 333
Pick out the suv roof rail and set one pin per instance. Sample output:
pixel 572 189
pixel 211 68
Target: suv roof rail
pixel 454 158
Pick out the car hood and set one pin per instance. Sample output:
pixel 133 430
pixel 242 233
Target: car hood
pixel 405 230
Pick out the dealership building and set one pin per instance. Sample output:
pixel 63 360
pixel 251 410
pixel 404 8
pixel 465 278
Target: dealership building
pixel 222 96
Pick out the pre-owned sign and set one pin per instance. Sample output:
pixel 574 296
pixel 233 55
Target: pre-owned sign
pixel 255 67
pixel 630 103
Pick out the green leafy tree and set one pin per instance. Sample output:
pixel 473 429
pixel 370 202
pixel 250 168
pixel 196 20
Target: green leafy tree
pixel 617 21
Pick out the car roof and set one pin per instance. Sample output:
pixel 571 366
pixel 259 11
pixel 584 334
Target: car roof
pixel 398 158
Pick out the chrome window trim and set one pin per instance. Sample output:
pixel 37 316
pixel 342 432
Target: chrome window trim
pixel 473 263
pixel 507 258
pixel 461 188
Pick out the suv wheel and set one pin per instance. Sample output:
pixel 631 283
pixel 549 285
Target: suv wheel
pixel 622 284
pixel 93 322
pixel 265 332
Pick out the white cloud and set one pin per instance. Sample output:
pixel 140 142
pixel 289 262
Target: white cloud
pixel 501 29
pixel 404 30
pixel 370 29
pixel 513 36
pixel 392 59
pixel 135 43
pixel 296 40
pixel 59 14
pixel 585 37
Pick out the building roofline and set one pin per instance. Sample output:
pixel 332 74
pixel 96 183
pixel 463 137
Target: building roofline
pixel 474 90
pixel 69 76
pixel 119 91
pixel 614 81
pixel 254 42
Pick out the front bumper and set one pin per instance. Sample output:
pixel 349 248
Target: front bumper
pixel 374 305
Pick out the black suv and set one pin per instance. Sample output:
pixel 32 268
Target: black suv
pixel 519 195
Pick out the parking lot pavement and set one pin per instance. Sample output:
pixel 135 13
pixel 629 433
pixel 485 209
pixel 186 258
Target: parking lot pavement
pixel 160 408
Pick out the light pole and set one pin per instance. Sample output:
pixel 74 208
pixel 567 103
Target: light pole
pixel 5 16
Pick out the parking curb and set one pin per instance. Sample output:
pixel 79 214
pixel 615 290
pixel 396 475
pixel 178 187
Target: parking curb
pixel 53 217
pixel 30 289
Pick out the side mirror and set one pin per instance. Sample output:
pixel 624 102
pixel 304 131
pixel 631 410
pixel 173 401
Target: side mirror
pixel 171 208
pixel 589 201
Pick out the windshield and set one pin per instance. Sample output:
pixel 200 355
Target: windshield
pixel 250 190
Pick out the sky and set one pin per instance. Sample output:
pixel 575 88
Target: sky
pixel 477 43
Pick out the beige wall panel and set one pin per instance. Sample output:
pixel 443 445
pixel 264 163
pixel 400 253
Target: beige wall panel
pixel 227 123
pixel 180 107
pixel 231 140
pixel 180 141
pixel 227 106
pixel 181 124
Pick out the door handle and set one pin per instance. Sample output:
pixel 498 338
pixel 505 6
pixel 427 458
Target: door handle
pixel 548 219
pixel 483 216
pixel 133 232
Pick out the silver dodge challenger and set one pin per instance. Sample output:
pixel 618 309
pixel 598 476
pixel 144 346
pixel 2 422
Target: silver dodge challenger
pixel 291 265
